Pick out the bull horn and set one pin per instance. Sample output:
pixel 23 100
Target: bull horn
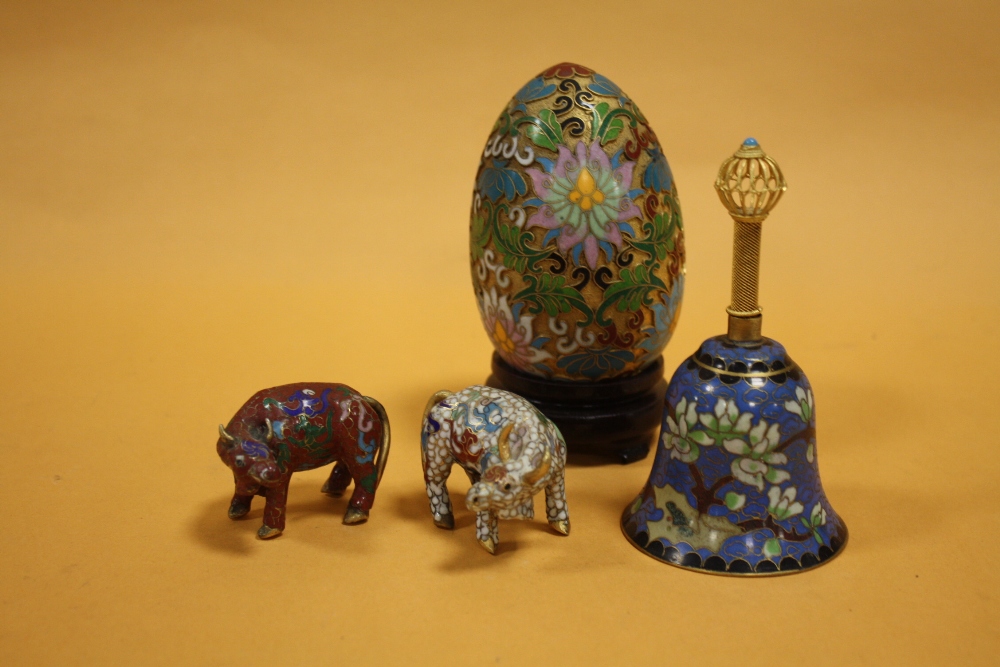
pixel 270 430
pixel 541 471
pixel 503 442
pixel 223 434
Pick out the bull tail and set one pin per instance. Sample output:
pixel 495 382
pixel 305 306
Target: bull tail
pixel 383 448
pixel 434 400
pixel 431 402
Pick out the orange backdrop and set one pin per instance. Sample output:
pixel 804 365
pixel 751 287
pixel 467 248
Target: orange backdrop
pixel 198 200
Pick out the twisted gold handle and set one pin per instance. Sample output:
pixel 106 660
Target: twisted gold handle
pixel 749 184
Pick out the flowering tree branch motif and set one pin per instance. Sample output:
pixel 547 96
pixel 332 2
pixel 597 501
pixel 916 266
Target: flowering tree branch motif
pixel 758 448
pixel 758 456
pixel 803 407
pixel 723 494
pixel 782 503
pixel 680 440
pixel 816 519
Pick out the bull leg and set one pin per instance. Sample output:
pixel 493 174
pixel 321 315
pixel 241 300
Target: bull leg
pixel 339 480
pixel 487 530
pixel 555 503
pixel 437 469
pixel 364 490
pixel 274 510
pixel 239 505
pixel 246 489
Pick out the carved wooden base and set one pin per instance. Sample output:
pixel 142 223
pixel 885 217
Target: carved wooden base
pixel 617 419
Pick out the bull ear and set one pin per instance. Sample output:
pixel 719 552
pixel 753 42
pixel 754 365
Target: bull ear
pixel 503 442
pixel 224 435
pixel 541 471
pixel 270 430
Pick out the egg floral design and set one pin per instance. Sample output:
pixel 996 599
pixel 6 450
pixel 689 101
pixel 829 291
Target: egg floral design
pixel 577 242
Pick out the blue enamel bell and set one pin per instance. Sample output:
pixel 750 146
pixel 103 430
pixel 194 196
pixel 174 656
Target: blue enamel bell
pixel 735 486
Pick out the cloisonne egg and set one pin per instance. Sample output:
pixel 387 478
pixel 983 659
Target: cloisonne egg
pixel 577 244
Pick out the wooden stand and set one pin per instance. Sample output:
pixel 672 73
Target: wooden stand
pixel 617 419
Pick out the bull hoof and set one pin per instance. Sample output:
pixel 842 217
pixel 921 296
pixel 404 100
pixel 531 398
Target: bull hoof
pixel 354 515
pixel 446 521
pixel 561 527
pixel 238 511
pixel 268 533
pixel 333 493
pixel 489 545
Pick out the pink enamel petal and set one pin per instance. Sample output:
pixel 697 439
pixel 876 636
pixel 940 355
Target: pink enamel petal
pixel 624 176
pixel 581 153
pixel 613 234
pixel 538 179
pixel 564 157
pixel 598 155
pixel 544 217
pixel 590 250
pixel 631 212
pixel 570 237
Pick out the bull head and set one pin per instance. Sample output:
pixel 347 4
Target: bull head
pixel 497 489
pixel 252 463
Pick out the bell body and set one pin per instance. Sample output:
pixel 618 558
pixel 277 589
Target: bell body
pixel 735 485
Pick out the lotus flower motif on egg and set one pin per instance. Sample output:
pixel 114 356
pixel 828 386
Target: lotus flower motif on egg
pixel 577 242
pixel 586 198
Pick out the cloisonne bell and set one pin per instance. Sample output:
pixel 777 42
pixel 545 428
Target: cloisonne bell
pixel 735 484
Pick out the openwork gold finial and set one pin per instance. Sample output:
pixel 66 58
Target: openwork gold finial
pixel 749 184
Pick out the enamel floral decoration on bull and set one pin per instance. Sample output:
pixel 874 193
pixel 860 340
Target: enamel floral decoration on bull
pixel 509 451
pixel 577 243
pixel 296 427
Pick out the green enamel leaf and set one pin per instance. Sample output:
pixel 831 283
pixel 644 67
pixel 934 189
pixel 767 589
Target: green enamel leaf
pixel 512 243
pixel 734 501
pixel 709 421
pixel 600 112
pixel 368 482
pixel 613 130
pixel 540 138
pixel 551 295
pixel 701 438
pixel 772 548
pixel 544 131
pixel 636 287
pixel 776 476
pixel 659 236
pixel 609 123
pixel 548 117
pixel 480 234
pixel 283 457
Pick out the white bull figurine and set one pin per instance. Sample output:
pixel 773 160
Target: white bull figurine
pixel 509 450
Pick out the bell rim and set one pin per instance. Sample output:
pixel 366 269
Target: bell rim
pixel 740 575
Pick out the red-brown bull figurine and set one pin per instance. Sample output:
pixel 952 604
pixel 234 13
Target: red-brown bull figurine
pixel 298 427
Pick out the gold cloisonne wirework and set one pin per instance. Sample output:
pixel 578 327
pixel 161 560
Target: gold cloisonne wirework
pixel 749 185
pixel 752 374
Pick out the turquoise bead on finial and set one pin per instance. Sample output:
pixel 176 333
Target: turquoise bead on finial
pixel 750 141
